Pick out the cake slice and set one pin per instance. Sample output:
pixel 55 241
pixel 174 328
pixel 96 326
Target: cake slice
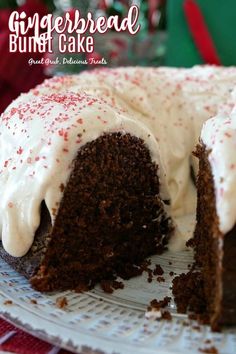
pixel 210 288
pixel 215 251
pixel 215 234
pixel 81 196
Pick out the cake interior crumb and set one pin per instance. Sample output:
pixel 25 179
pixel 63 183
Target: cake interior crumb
pixel 61 302
pixel 210 350
pixel 8 302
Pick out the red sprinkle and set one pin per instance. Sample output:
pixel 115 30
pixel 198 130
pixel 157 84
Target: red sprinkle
pixel 19 151
pixel 63 133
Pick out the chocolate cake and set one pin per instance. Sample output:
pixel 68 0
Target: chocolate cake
pixel 96 168
pixel 209 288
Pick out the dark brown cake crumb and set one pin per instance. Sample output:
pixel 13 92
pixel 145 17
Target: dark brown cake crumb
pixel 33 301
pixel 117 284
pixel 156 306
pixel 61 302
pixel 158 270
pixel 171 274
pixel 196 328
pixel 150 275
pixel 159 304
pixel 144 268
pixel 207 341
pixel 108 286
pixel 160 279
pixel 8 302
pixel 210 350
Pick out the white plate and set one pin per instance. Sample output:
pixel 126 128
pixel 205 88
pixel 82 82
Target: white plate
pixel 103 323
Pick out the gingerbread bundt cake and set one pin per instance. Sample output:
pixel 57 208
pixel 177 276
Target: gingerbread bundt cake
pixel 96 168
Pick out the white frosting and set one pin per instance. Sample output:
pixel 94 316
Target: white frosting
pixel 40 135
pixel 219 136
pixel 38 142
